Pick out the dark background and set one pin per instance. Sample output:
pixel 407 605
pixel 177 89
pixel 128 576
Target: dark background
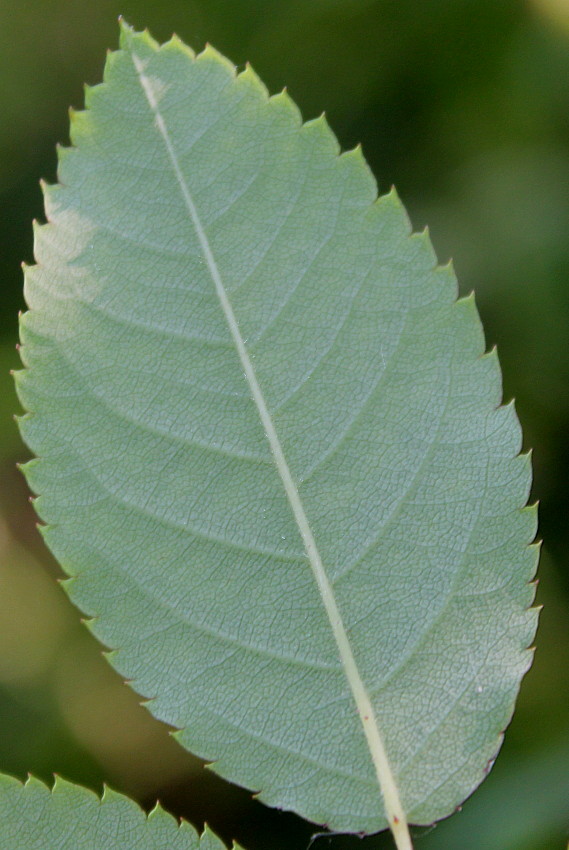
pixel 464 106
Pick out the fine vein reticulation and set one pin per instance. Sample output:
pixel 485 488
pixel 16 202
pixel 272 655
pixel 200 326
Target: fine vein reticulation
pixel 394 810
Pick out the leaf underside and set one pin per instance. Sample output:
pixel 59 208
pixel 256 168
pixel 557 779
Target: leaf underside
pixel 33 817
pixel 157 475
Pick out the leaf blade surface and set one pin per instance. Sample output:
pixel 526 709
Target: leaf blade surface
pixel 170 509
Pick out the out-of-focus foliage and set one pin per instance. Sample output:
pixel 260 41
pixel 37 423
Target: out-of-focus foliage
pixel 464 105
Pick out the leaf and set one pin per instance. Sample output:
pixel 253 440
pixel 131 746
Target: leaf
pixel 524 806
pixel 33 817
pixel 271 449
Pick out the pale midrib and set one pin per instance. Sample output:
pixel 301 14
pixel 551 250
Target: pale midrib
pixel 393 808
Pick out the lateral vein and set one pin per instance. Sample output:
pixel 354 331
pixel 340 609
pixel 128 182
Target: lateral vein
pixel 390 793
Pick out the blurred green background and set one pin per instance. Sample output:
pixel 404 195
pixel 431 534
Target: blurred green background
pixel 464 106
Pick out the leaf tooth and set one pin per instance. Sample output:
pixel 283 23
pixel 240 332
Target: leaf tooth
pixel 108 654
pixel 34 782
pixel 30 278
pixel 18 375
pixel 46 529
pixel 159 814
pixel 47 532
pixel 79 125
pixel 60 783
pixel 64 154
pixel 113 58
pixel 509 410
pixel 526 458
pixel 468 299
pixel 29 465
pixel 446 274
pixel 25 318
pixel 522 464
pixel 474 341
pixel 90 623
pixel 355 155
pixel 19 378
pixel 37 228
pixel 213 56
pixel 530 650
pixel 130 37
pixel 423 239
pixel 532 512
pixel 361 173
pixel 248 76
pixel 322 132
pixel 283 102
pixel 66 582
pixel 207 831
pixel 207 837
pixel 525 597
pixel 176 734
pixel 92 93
pixel 390 204
pixel 532 614
pixel 533 583
pixel 491 355
pixel 176 43
pixel 110 796
pixel 124 26
pixel 45 185
pixel 50 202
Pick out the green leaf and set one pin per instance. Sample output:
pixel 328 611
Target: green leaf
pixel 32 817
pixel 272 454
pixel 524 806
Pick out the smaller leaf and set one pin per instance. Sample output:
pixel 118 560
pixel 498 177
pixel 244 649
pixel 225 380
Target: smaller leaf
pixel 72 818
